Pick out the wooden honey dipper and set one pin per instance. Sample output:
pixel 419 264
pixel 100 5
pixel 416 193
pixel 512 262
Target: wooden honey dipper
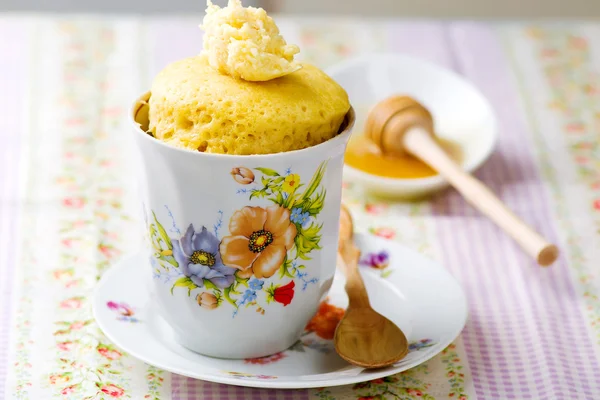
pixel 401 125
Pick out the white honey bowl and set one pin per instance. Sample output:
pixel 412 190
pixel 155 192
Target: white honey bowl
pixel 460 112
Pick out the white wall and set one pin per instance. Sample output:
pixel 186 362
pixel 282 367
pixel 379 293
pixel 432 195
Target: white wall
pixel 391 8
pixel 113 6
pixel 444 8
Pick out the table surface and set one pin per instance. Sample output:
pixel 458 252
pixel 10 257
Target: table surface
pixel 67 211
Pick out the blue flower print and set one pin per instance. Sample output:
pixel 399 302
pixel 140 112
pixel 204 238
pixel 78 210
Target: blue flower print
pixel 256 284
pixel 248 296
pixel 299 217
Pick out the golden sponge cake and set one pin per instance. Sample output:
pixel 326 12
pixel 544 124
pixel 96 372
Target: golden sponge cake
pixel 195 107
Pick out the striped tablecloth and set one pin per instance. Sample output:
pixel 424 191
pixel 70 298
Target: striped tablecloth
pixel 67 209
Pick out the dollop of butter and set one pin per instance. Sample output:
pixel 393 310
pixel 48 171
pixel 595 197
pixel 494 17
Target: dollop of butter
pixel 244 42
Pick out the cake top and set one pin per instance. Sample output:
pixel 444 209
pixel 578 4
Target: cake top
pixel 244 43
pixel 195 107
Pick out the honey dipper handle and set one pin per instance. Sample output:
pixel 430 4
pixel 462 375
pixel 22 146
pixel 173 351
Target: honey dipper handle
pixel 420 143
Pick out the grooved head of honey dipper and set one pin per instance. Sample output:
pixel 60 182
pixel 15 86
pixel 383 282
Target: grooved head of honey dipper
pixel 391 118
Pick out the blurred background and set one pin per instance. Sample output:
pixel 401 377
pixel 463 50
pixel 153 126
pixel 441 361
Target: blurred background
pixel 396 8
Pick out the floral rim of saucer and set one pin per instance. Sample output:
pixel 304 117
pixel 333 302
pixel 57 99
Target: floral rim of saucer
pixel 417 294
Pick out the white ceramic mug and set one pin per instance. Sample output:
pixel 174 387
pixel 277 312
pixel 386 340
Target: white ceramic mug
pixel 242 248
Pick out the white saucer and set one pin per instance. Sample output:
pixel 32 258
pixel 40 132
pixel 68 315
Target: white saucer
pixel 414 292
pixel 461 113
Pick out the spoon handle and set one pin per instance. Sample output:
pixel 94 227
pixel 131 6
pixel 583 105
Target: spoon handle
pixel 355 286
pixel 418 142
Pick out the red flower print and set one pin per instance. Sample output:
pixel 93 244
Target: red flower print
pixel 366 398
pixel 74 202
pixel 69 390
pixel 109 353
pixel 325 320
pixel 377 381
pixel 414 392
pixel 450 374
pixel 112 390
pixel 72 283
pixel 578 42
pixel 462 398
pixel 597 204
pixel 77 325
pixel 548 53
pixel 384 232
pixel 66 346
pixel 575 127
pixel 265 360
pixel 284 294
pixel 375 209
pixel 73 302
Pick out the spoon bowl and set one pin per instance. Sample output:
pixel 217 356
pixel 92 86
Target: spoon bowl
pixel 368 339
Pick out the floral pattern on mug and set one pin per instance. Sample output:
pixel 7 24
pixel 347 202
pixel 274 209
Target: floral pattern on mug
pixel 261 259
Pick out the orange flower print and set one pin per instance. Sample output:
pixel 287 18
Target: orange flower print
pixel 260 239
pixel 326 320
pixel 56 379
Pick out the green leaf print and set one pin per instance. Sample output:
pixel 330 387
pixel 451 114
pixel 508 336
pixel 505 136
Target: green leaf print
pixel 307 240
pixel 284 270
pixel 315 204
pixel 209 284
pixel 163 234
pixel 170 259
pixel 226 293
pixel 184 282
pixel 268 171
pixel 278 199
pixel 314 182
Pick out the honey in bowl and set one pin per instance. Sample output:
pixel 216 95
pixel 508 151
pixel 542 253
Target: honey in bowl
pixel 364 155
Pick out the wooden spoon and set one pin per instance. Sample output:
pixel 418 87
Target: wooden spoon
pixel 400 125
pixel 363 337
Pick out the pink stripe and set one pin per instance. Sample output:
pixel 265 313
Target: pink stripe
pixel 13 86
pixel 526 334
pixel 171 40
pixel 420 39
